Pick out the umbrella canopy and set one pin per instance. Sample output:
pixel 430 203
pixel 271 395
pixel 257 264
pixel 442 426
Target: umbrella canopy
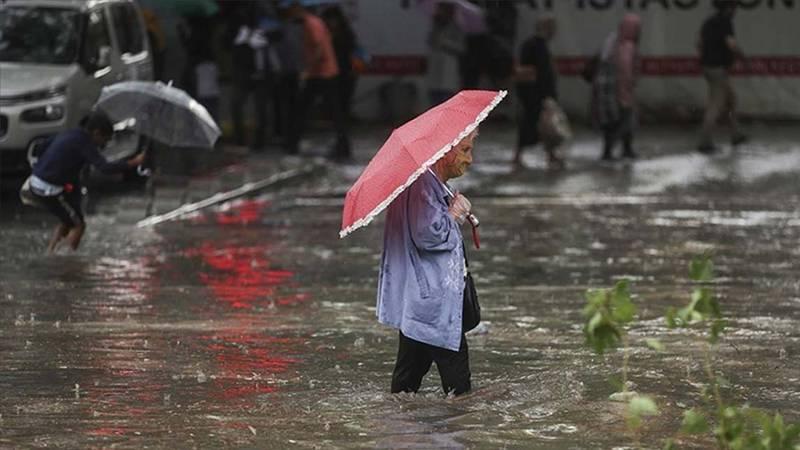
pixel 471 18
pixel 410 151
pixel 162 112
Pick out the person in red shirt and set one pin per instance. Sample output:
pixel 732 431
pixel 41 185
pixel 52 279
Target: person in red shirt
pixel 319 80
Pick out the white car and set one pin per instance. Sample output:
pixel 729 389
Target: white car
pixel 55 57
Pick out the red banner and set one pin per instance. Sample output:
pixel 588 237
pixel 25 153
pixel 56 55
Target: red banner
pixel 652 66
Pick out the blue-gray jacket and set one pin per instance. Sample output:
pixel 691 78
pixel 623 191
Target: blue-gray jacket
pixel 421 283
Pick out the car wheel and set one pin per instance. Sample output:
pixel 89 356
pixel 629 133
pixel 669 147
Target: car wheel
pixel 35 150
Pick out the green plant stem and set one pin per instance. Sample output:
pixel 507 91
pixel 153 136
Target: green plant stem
pixel 711 378
pixel 714 389
pixel 626 354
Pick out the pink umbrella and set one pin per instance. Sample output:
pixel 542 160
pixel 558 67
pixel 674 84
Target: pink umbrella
pixel 471 18
pixel 410 151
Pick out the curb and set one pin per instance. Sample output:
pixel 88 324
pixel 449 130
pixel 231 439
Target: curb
pixel 275 181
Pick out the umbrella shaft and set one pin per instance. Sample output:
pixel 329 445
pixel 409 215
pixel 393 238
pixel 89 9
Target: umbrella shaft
pixel 471 217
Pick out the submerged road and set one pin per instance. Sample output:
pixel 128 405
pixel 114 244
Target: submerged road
pixel 252 325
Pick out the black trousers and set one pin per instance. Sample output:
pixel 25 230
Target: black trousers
pixel 287 99
pixel 414 359
pixel 260 90
pixel 326 90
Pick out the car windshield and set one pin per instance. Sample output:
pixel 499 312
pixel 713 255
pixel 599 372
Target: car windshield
pixel 39 35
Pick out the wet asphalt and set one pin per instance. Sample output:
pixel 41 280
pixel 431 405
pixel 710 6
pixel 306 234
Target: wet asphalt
pixel 250 324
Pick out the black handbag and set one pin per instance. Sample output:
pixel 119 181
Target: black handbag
pixel 471 314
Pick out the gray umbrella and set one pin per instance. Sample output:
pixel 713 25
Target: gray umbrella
pixel 162 112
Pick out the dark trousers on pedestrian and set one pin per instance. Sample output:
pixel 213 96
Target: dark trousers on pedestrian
pixel 621 129
pixel 325 90
pixel 260 93
pixel 347 89
pixel 721 103
pixel 287 99
pixel 414 359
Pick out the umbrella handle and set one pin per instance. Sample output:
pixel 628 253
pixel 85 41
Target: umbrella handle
pixel 473 220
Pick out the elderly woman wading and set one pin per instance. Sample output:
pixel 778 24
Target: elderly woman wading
pixel 422 279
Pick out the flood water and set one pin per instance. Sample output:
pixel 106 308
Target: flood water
pixel 253 326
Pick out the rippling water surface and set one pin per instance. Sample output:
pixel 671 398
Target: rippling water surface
pixel 254 325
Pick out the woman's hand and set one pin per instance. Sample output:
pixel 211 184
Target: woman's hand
pixel 459 208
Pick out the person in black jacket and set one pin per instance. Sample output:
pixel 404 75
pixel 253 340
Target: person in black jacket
pixel 252 71
pixel 536 82
pixel 55 182
pixel 344 45
pixel 718 52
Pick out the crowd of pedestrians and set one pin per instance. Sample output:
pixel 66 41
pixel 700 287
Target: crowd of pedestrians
pixel 458 61
pixel 280 59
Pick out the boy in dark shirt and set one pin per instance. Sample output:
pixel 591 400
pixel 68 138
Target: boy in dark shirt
pixel 718 52
pixel 55 181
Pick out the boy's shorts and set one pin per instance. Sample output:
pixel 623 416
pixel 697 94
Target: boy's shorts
pixel 66 206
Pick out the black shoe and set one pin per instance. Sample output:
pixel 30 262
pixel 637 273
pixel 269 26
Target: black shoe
pixel 630 155
pixel 607 157
pixel 739 139
pixel 707 149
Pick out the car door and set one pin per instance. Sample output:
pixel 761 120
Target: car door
pixel 96 60
pixel 131 39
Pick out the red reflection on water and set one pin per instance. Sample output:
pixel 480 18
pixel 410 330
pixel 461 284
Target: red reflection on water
pixel 241 276
pixel 239 212
pixel 244 360
pixel 107 431
pixel 247 212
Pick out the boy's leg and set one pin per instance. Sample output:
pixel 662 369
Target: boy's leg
pixel 58 234
pixel 75 234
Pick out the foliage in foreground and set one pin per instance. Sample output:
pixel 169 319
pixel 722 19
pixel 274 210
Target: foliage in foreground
pixel 609 313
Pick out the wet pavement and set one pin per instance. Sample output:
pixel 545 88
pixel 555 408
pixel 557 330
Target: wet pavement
pixel 251 325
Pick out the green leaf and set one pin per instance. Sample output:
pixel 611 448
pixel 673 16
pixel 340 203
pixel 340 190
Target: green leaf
pixel 694 422
pixel 655 344
pixel 671 318
pixel 603 337
pixel 623 309
pixel 595 301
pixel 701 268
pixel 641 406
pixel 595 322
